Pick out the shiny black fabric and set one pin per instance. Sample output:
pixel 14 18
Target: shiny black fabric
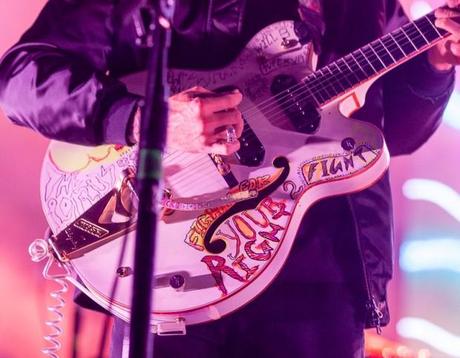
pixel 60 80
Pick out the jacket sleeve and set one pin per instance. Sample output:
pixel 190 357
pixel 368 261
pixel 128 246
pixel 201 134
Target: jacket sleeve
pixel 55 80
pixel 414 96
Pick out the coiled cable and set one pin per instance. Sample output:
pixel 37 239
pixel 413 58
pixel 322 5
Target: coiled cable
pixel 38 251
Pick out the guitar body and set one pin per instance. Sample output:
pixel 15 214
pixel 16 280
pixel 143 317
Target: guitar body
pixel 212 260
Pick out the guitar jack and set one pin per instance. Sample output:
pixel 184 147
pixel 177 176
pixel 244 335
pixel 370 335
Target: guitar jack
pixel 38 251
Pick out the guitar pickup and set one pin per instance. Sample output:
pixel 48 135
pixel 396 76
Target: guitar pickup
pixel 252 151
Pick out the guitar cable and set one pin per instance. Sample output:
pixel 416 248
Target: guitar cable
pixel 39 250
pixel 129 175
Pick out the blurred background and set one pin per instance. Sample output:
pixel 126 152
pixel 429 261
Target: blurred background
pixel 424 295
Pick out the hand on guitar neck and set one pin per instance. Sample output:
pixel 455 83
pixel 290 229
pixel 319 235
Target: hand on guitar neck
pixel 446 54
pixel 198 121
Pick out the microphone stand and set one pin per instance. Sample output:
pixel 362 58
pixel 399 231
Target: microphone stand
pixel 154 18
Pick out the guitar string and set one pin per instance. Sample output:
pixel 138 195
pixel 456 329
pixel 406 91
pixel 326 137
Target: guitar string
pixel 314 81
pixel 288 95
pixel 319 82
pixel 333 81
pixel 192 160
pixel 300 90
pixel 385 49
pixel 414 51
pixel 187 181
pixel 322 82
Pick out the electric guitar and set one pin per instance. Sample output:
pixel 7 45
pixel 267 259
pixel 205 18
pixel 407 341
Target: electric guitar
pixel 228 223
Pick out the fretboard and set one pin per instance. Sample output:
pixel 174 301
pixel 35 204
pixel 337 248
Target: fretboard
pixel 373 59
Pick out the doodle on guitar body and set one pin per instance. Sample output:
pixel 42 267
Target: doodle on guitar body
pixel 293 189
pixel 70 189
pixel 217 246
pixel 228 223
pixel 261 71
pixel 252 238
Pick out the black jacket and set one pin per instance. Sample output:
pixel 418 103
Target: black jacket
pixel 60 80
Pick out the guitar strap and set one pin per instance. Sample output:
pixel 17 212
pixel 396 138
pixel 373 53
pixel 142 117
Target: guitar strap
pixel 313 25
pixel 313 5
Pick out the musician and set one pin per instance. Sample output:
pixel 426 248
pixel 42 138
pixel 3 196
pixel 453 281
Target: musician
pixel 61 80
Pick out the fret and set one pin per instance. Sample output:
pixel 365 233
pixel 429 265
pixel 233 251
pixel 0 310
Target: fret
pixel 396 47
pixel 404 43
pixel 356 67
pixel 337 83
pixel 403 53
pixel 377 56
pixel 385 56
pixel 410 40
pixel 340 75
pixel 415 39
pixel 433 26
pixel 429 32
pixel 318 93
pixel 421 33
pixel 440 32
pixel 362 63
pixel 328 81
pixel 347 67
pixel 371 59
pixel 312 94
pixel 392 59
pixel 367 60
pixel 321 86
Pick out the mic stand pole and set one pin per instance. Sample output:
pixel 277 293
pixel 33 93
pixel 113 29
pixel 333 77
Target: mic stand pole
pixel 149 170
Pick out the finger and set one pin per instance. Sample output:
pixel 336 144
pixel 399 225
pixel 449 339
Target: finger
pixel 196 90
pixel 221 120
pixel 444 13
pixel 220 137
pixel 209 105
pixel 447 53
pixel 190 94
pixel 450 26
pixel 455 49
pixel 224 148
pixel 453 3
pixel 239 127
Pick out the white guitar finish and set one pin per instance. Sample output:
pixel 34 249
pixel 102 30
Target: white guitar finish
pixel 258 240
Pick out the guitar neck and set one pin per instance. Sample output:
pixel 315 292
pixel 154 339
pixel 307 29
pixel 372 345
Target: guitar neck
pixel 373 59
